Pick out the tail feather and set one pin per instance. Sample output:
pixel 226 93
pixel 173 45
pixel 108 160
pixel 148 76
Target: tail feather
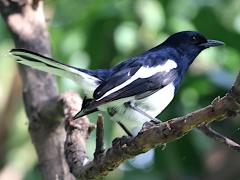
pixel 52 66
pixel 84 113
pixel 84 110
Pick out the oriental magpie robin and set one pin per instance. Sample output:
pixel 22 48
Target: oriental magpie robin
pixel 136 90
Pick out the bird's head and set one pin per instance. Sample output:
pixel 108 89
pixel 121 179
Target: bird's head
pixel 190 43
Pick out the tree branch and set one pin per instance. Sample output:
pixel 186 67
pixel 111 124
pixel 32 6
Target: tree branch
pixel 156 135
pixel 99 137
pixel 219 137
pixel 26 22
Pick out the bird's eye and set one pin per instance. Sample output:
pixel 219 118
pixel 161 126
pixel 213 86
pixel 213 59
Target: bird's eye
pixel 194 39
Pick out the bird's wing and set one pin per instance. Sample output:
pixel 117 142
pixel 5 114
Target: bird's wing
pixel 114 81
pixel 141 88
pixel 52 66
pixel 140 82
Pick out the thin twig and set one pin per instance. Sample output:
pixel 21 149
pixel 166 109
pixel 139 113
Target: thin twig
pixel 219 137
pixel 99 137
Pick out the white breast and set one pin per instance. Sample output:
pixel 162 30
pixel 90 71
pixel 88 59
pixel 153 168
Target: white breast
pixel 158 101
pixel 153 105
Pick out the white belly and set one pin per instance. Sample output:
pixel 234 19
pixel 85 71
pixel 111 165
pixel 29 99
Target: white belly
pixel 152 105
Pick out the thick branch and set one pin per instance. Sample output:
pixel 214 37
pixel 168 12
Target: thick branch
pixel 26 22
pixel 77 133
pixel 127 147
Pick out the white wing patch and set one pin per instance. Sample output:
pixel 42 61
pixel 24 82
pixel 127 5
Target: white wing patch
pixel 144 72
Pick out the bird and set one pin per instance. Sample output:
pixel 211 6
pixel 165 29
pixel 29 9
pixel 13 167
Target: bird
pixel 136 90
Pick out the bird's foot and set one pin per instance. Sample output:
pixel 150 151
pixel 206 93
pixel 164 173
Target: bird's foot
pixel 153 122
pixel 163 146
pixel 125 129
pixel 158 121
pixel 121 141
pixel 168 126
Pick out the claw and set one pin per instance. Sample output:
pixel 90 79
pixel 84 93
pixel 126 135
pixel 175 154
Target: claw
pixel 168 126
pixel 148 124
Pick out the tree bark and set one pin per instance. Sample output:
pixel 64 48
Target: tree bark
pixel 26 22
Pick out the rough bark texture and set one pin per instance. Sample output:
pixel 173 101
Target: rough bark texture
pixel 26 22
pixel 153 136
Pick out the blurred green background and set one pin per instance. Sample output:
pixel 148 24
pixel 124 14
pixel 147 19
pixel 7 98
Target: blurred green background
pixel 98 34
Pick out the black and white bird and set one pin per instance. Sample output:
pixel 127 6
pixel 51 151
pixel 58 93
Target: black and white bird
pixel 136 90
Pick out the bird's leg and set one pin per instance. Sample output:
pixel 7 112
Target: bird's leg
pixel 132 106
pixel 125 129
pixel 153 120
pixel 112 111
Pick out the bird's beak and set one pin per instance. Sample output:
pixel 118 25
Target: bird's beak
pixel 211 43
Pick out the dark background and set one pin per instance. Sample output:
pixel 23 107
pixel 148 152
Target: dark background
pixel 98 34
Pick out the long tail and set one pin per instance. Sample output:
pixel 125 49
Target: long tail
pixel 46 64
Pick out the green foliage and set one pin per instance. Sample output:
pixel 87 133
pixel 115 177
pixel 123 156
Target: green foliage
pixel 99 34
